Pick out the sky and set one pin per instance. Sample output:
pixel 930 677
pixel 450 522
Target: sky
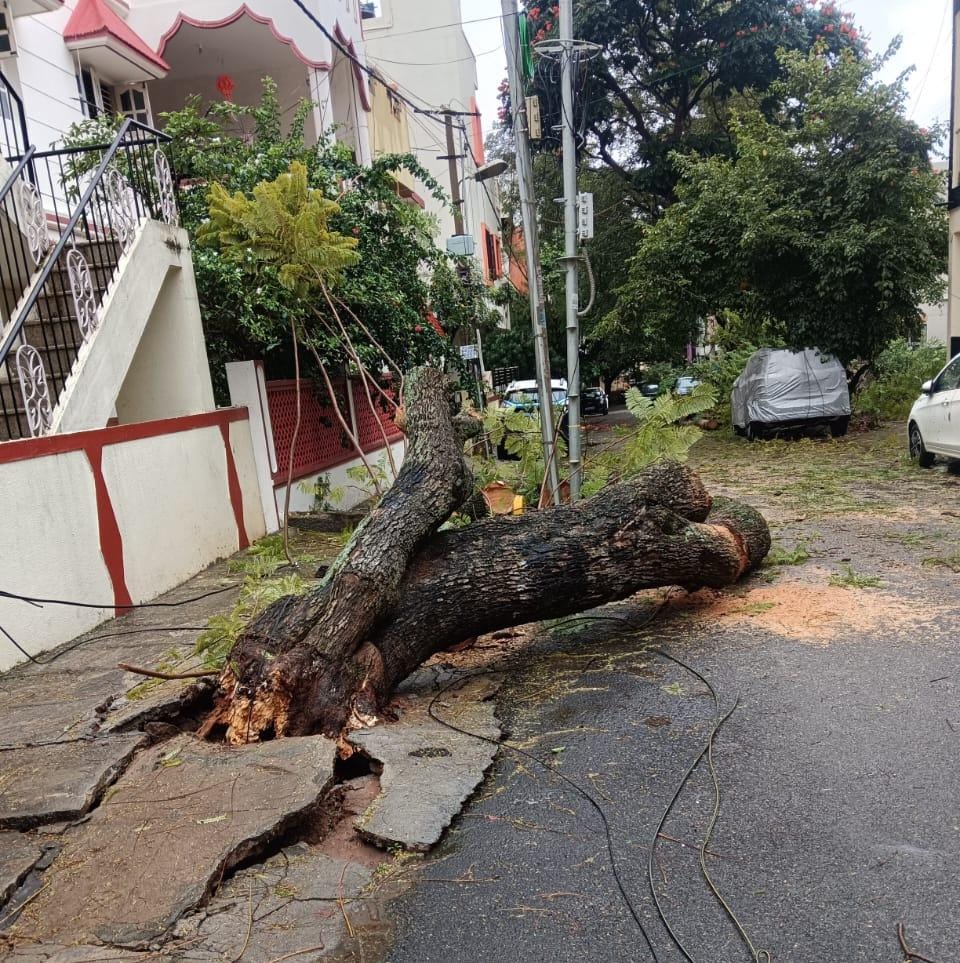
pixel 924 25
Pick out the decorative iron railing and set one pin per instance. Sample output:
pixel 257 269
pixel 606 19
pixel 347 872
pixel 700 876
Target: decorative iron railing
pixel 66 218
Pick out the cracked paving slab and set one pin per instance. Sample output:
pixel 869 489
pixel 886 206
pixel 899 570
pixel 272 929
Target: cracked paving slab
pixel 18 855
pixel 139 706
pixel 184 814
pixel 429 770
pixel 296 899
pixel 59 953
pixel 51 705
pixel 62 781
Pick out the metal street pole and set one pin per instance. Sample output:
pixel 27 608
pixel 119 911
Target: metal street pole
pixel 538 314
pixel 571 258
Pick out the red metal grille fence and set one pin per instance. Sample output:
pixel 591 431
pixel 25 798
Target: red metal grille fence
pixel 321 442
pixel 368 422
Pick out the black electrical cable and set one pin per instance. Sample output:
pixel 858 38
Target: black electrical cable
pixel 34 600
pixel 435 112
pixel 97 638
pixel 718 722
pixel 573 785
pixel 570 782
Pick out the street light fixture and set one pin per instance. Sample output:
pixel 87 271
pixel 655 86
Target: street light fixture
pixel 493 169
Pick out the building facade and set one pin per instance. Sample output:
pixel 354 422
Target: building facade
pixel 422 48
pixel 84 58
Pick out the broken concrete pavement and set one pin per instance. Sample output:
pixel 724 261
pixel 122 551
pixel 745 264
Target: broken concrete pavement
pixel 136 836
pixel 429 770
pixel 184 815
pixel 43 784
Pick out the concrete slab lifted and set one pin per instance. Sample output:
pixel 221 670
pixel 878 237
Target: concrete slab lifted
pixel 429 770
pixel 183 816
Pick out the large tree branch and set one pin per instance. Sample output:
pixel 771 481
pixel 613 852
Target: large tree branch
pixel 276 679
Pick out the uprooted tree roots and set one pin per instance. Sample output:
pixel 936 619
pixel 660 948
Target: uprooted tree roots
pixel 402 591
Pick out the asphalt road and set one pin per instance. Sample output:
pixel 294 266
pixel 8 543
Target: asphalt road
pixel 840 785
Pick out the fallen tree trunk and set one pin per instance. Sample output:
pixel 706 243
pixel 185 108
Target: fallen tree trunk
pixel 401 591
pixel 503 572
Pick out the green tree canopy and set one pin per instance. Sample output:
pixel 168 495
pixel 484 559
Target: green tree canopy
pixel 665 71
pixel 823 228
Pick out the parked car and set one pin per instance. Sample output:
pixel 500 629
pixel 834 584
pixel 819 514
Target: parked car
pixel 685 385
pixel 931 427
pixel 650 389
pixel 594 401
pixel 523 396
pixel 783 392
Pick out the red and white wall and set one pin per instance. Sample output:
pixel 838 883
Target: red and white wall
pixel 119 515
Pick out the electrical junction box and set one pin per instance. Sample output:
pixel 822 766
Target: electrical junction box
pixel 585 216
pixel 461 245
pixel 534 128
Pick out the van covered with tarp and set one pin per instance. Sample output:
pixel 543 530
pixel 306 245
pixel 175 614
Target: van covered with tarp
pixel 782 391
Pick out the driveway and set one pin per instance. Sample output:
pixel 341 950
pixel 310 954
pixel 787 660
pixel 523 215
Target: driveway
pixel 838 818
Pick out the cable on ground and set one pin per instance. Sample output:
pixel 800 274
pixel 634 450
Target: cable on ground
pixel 40 602
pixel 97 638
pixel 570 782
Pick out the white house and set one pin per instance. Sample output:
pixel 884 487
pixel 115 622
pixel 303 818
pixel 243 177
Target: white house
pixel 422 47
pixel 142 57
pixel 120 475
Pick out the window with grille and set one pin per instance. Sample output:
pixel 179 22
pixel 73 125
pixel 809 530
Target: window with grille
pixel 89 89
pixel 493 265
pixel 107 104
pixel 135 104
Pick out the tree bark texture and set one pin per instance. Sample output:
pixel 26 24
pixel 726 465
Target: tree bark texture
pixel 402 591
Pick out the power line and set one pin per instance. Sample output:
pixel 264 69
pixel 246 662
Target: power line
pixel 446 26
pixel 372 74
pixel 933 57
pixel 436 63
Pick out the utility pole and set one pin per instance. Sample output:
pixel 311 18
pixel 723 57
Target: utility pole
pixel 571 258
pixel 451 159
pixel 538 315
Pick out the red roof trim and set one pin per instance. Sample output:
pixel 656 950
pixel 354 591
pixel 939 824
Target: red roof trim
pixel 244 10
pixel 93 20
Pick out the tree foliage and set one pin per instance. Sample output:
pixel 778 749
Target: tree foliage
pixel 666 70
pixel 284 225
pixel 398 275
pixel 899 371
pixel 823 228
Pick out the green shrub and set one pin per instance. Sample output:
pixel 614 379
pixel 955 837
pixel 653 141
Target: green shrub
pixel 898 372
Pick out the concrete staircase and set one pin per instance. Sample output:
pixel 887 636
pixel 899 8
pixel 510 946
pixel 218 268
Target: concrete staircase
pixel 52 329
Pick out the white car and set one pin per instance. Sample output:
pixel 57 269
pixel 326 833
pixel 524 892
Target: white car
pixel 934 425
